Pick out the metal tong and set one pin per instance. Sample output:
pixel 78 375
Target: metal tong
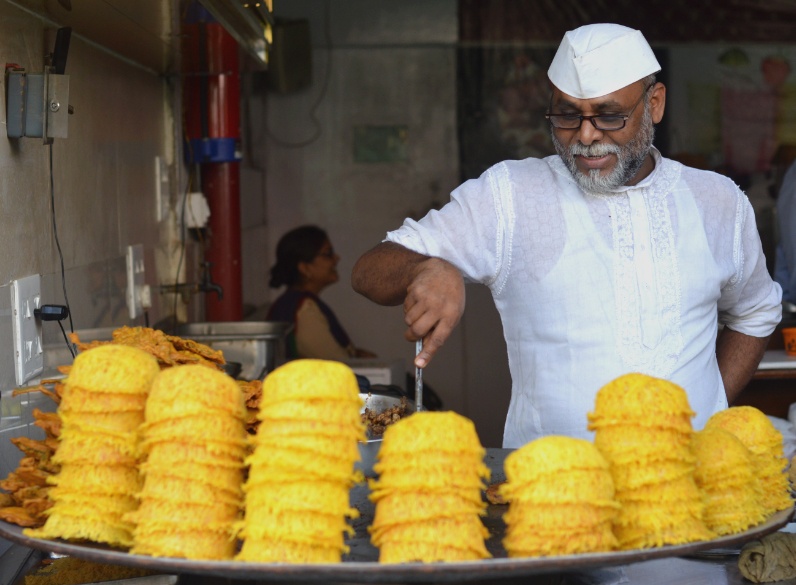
pixel 418 378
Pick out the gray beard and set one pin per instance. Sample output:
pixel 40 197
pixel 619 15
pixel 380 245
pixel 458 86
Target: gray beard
pixel 629 158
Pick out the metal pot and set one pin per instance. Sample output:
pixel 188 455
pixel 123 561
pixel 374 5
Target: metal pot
pixel 259 346
pixel 369 450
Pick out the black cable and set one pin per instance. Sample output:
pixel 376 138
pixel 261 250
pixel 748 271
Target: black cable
pixel 58 246
pixel 68 345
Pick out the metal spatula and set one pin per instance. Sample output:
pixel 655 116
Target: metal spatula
pixel 418 378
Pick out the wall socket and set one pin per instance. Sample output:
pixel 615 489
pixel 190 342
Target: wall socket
pixel 28 350
pixel 135 280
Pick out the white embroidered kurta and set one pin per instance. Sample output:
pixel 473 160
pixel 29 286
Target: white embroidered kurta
pixel 590 287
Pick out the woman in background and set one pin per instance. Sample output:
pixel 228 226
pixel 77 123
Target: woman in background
pixel 306 263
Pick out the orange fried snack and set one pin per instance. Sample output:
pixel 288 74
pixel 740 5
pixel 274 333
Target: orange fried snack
pixel 167 349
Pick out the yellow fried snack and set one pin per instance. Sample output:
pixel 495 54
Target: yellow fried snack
pixel 98 451
pixel 268 550
pixel 550 475
pixel 636 396
pixel 431 513
pixel 194 441
pixel 193 390
pixel 759 435
pixel 302 465
pixel 725 474
pixel 642 427
pixel 441 432
pixel 311 380
pixel 186 543
pixel 115 369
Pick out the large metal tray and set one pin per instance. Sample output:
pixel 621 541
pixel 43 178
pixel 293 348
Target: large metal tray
pixel 361 564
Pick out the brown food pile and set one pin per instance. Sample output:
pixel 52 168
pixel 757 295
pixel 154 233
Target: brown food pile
pixel 169 350
pixel 27 486
pixel 377 422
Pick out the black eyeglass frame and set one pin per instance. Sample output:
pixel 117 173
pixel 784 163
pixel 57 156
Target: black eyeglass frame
pixel 552 118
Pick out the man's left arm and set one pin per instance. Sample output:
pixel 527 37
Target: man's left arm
pixel 738 356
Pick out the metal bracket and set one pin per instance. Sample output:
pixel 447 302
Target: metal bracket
pixel 37 105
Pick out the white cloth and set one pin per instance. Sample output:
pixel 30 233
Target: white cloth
pixel 598 59
pixel 592 287
pixel 785 262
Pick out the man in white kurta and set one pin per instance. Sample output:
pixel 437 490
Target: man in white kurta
pixel 603 260
pixel 590 287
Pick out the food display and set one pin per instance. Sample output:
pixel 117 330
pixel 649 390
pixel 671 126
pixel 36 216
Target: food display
pixel 302 467
pixel 164 459
pixel 99 480
pixel 764 442
pixel 25 499
pixel 561 498
pixel 726 478
pixel 194 443
pixel 642 426
pixel 428 494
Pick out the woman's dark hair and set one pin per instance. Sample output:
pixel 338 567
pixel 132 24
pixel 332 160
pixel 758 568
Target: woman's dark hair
pixel 301 244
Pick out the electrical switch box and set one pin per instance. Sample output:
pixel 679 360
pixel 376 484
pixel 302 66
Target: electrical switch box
pixel 26 328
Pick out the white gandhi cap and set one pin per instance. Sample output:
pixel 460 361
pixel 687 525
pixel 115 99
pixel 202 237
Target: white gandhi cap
pixel 598 59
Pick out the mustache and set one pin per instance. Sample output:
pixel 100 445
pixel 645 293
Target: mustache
pixel 596 149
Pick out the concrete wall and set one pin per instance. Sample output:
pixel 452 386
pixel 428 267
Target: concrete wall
pixel 104 192
pixel 378 64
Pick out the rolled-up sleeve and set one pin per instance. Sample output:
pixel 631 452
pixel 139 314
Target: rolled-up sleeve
pixel 751 303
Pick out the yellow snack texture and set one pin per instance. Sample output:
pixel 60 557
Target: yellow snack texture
pixel 550 475
pixel 765 444
pixel 98 451
pixel 642 427
pixel 188 390
pixel 194 443
pixel 302 465
pixel 429 511
pixel 114 369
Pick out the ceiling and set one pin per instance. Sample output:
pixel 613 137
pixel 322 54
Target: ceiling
pixel 661 21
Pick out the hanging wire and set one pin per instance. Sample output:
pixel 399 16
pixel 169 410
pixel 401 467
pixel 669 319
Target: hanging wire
pixel 72 347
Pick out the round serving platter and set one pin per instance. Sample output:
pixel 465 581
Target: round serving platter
pixel 361 564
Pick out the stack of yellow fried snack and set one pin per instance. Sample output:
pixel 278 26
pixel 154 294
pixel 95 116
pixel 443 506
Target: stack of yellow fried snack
pixel 101 409
pixel 194 440
pixel 725 475
pixel 302 467
pixel 764 441
pixel 428 493
pixel 643 428
pixel 561 499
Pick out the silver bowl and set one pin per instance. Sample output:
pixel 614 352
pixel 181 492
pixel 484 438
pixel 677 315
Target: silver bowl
pixel 369 450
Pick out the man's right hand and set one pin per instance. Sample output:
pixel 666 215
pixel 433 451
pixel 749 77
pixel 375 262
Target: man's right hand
pixel 433 306
pixel 431 290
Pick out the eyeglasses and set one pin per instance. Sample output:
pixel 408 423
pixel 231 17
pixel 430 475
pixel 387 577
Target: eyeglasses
pixel 327 253
pixel 608 122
